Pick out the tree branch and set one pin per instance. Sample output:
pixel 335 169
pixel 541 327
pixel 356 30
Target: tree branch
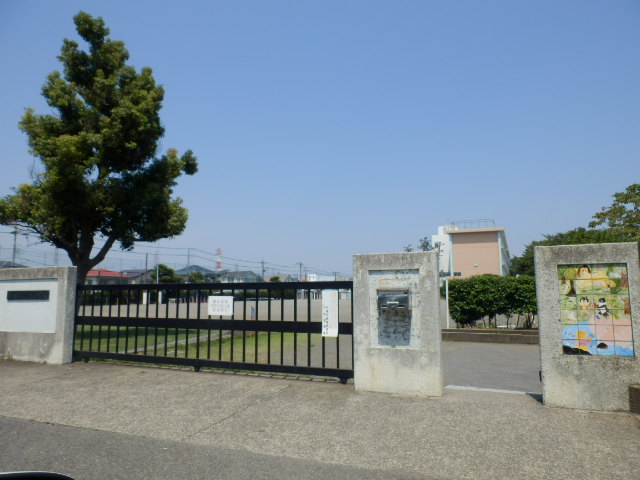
pixel 103 251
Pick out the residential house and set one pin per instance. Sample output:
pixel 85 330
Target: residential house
pixel 240 277
pixel 102 276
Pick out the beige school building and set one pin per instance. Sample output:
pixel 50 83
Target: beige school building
pixel 471 247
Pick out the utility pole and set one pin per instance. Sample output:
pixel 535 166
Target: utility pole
pixel 262 262
pixel 300 277
pixel 15 243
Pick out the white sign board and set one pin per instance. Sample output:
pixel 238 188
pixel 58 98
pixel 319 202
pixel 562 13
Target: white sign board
pixel 220 305
pixel 32 316
pixel 329 313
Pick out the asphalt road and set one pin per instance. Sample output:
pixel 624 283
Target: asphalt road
pixel 88 454
pixel 499 366
pixel 104 421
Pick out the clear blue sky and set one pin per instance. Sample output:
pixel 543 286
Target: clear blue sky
pixel 329 128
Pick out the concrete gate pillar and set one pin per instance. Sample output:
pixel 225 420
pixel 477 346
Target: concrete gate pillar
pixel 588 310
pixel 37 308
pixel 396 324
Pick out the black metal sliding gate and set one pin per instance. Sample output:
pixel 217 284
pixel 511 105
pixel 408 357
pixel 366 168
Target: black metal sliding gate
pixel 275 327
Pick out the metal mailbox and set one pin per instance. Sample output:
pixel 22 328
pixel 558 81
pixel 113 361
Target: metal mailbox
pixel 394 318
pixel 398 300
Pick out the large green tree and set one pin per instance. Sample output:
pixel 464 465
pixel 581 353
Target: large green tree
pixel 621 222
pixel 100 177
pixel 524 264
pixel 623 215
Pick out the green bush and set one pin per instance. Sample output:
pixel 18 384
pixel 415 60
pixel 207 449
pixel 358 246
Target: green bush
pixel 487 296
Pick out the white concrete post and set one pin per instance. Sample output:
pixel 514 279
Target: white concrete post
pixel 37 316
pixel 589 324
pixel 397 338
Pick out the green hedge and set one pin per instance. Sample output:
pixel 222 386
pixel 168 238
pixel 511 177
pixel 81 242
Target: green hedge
pixel 487 296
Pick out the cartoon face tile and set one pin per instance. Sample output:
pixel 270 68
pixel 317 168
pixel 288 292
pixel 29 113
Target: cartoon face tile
pixel 582 287
pixel 624 349
pixel 600 319
pixel 604 333
pixel 584 335
pixel 622 320
pixel 619 285
pixel 594 299
pixel 601 306
pixel 625 301
pixel 569 346
pixel 615 302
pixel 567 272
pixel 587 346
pixel 605 286
pixel 583 272
pixel 585 316
pixel 616 270
pixel 568 317
pixel 568 302
pixel 605 348
pixel 584 302
pixel 599 269
pixel 623 333
pixel 569 332
pixel 566 287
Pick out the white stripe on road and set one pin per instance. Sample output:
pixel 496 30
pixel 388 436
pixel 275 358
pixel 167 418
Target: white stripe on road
pixel 480 389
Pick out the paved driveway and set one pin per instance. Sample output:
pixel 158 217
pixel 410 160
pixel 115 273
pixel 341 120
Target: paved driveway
pixel 492 365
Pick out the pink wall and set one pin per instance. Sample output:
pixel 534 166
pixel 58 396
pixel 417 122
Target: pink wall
pixel 476 247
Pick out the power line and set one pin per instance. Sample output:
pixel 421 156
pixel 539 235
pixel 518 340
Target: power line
pixel 176 253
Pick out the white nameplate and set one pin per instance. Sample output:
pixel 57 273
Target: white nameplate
pixel 329 313
pixel 220 305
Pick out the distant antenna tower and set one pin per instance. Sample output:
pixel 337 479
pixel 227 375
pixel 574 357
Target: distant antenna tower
pixel 219 259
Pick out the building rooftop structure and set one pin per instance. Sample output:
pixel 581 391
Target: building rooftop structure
pixel 102 276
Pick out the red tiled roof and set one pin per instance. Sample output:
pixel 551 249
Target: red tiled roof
pixel 101 272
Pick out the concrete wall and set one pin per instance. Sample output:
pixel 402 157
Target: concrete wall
pixel 413 367
pixel 595 382
pixel 37 329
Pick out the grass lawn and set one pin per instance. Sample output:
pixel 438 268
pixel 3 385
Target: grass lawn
pixel 130 339
pixel 270 347
pixel 263 347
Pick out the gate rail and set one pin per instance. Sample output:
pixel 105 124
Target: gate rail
pixel 276 327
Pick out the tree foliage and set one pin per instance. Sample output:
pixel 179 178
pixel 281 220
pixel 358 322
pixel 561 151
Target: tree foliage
pixel 524 264
pixel 168 275
pixel 424 245
pixel 196 277
pixel 621 222
pixel 480 296
pixel 623 215
pixel 100 177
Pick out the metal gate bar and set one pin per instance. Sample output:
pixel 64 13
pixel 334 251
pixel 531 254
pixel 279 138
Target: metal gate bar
pixel 176 332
